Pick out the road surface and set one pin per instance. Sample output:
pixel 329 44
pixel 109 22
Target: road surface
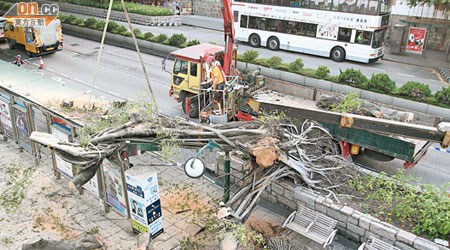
pixel 120 76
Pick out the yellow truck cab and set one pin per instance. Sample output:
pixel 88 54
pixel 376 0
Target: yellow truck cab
pixel 37 40
pixel 189 70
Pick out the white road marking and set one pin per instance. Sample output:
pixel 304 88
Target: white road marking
pixel 36 64
pixel 50 69
pixel 406 75
pixel 78 80
pixel 95 87
pixel 64 75
pixel 57 78
pixel 435 80
pixel 376 69
pixel 38 72
pixel 122 67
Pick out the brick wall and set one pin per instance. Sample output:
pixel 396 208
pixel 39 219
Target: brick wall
pixel 209 8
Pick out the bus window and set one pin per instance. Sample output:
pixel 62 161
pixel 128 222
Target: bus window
pixel 244 21
pixel 378 38
pixel 236 16
pixel 311 29
pixel 344 34
pixel 253 23
pixel 276 25
pixel 363 37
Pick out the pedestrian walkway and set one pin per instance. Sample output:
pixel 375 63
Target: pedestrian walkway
pixel 52 211
pixel 430 59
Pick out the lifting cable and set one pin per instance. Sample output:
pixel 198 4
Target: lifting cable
pixel 155 105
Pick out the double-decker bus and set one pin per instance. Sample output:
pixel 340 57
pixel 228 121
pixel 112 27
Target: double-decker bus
pixel 338 29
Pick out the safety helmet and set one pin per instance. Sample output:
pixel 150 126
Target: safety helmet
pixel 209 59
pixel 18 56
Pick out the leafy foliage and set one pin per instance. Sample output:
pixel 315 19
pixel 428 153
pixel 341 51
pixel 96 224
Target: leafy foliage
pixel 5 5
pixel 100 25
pixel 90 22
pixel 416 90
pixel 177 39
pixel 159 38
pixel 426 207
pixel 438 4
pixel 352 77
pixel 296 65
pixel 78 21
pixel 350 104
pixel 18 180
pixel 381 83
pixel 193 42
pixel 250 55
pixel 112 26
pixel 137 31
pixel 322 71
pixel 148 10
pixel 119 30
pixel 443 95
pixel 274 61
pixel 148 35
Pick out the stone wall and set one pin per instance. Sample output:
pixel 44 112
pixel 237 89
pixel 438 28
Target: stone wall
pixel 209 8
pixel 352 224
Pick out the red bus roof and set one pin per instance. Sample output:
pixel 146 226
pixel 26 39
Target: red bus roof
pixel 196 52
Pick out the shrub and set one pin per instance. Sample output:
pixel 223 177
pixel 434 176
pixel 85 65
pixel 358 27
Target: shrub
pixel 350 104
pixel 308 72
pixel 90 22
pixel 274 61
pixel 177 39
pixel 415 90
pixel 126 33
pixel 140 36
pixel 250 55
pixel 443 95
pixel 6 6
pixel 296 66
pixel 381 83
pixel 112 26
pixel 137 31
pixel 78 21
pixel 193 42
pixel 261 61
pixel 283 67
pixel 119 30
pixel 148 35
pixel 100 25
pixel 322 72
pixel 160 38
pixel 61 17
pixel 71 19
pixel 353 77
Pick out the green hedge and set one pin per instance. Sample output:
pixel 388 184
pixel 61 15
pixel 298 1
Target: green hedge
pixel 5 5
pixel 147 10
pixel 380 83
pixel 178 40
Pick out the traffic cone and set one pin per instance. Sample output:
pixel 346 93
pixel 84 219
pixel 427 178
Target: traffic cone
pixel 41 62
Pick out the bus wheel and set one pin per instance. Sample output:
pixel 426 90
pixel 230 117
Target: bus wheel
pixel 273 43
pixel 254 40
pixel 337 54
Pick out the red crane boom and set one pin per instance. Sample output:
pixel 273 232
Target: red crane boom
pixel 228 22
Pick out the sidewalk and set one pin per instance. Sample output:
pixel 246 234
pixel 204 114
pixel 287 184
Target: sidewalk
pixel 432 59
pixel 51 210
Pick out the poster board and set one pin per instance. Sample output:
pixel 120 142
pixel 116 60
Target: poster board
pixel 115 191
pixel 145 203
pixel 22 126
pixel 416 40
pixel 5 117
pixel 62 166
